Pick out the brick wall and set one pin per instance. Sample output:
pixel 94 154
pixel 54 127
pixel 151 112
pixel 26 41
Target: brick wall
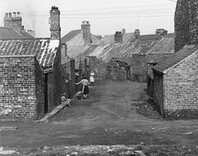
pixel 186 24
pixel 17 87
pixel 180 88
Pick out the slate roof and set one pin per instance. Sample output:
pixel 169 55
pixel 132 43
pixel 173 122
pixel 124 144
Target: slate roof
pixel 165 45
pixel 7 34
pixel 70 35
pixel 44 49
pixel 109 39
pixel 174 58
pixel 88 51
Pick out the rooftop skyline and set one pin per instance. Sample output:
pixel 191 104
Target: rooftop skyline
pixel 105 16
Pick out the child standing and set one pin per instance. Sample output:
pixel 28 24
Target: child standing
pixel 92 79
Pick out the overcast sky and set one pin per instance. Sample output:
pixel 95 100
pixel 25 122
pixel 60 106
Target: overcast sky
pixel 105 16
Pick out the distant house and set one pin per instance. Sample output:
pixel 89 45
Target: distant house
pixel 117 70
pixel 121 36
pixel 13 28
pixel 176 83
pixel 78 41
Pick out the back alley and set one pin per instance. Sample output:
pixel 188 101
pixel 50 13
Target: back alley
pixel 110 116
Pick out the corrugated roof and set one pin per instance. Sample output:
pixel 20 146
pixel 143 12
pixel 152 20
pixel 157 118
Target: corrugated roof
pixel 44 49
pixel 174 58
pixel 70 35
pixel 7 34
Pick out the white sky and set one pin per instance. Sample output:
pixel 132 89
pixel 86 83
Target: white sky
pixel 105 16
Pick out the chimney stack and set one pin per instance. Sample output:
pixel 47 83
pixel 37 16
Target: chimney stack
pixel 137 33
pixel 55 30
pixel 123 31
pixel 13 21
pixel 160 33
pixel 118 37
pixel 85 28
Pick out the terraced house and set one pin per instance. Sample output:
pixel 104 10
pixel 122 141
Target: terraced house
pixel 31 73
pixel 13 28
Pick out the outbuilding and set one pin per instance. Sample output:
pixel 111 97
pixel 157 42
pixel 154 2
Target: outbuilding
pixel 30 76
pixel 175 87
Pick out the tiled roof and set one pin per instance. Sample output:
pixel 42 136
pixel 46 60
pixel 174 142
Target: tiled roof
pixel 70 35
pixel 174 58
pixel 44 49
pixel 7 34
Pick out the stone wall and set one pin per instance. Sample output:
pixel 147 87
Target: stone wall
pixel 186 23
pixel 17 87
pixel 180 88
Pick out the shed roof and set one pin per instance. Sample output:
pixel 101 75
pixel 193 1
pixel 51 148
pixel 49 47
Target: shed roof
pixel 174 58
pixel 8 33
pixel 44 49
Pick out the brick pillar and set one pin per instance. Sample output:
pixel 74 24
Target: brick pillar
pixel 85 64
pixel 73 80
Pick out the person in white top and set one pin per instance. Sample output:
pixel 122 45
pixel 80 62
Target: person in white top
pixel 92 79
pixel 85 88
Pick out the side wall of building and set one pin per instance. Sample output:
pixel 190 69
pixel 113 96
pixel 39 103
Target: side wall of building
pixel 158 92
pixel 17 87
pixel 57 78
pixel 180 88
pixel 39 82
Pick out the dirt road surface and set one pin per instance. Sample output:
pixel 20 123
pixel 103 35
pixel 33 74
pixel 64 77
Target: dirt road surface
pixel 116 113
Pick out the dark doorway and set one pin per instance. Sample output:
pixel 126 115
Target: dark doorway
pixel 46 95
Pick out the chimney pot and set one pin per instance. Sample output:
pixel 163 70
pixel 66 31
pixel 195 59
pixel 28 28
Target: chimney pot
pixel 14 14
pixel 10 14
pixel 6 14
pixel 18 14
